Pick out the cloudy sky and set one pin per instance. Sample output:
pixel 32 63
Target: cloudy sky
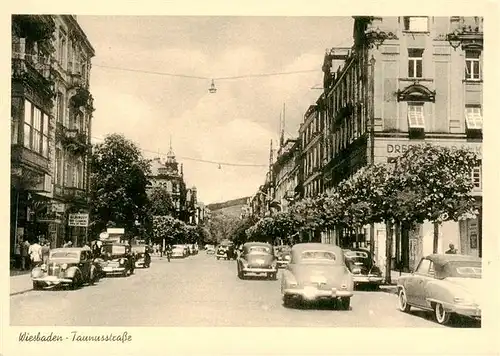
pixel 236 124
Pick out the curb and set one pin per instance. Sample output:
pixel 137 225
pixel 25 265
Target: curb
pixel 20 292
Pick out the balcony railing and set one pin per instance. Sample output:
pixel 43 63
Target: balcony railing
pixel 20 154
pixel 34 73
pixel 73 139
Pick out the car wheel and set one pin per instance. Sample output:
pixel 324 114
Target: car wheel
pixel 345 303
pixel 273 276
pixel 76 283
pixel 403 302
pixel 240 274
pixel 37 285
pixel 287 301
pixel 441 315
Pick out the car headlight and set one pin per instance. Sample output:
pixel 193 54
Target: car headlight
pixel 64 266
pixel 356 270
pixel 43 267
pixel 287 258
pixel 122 261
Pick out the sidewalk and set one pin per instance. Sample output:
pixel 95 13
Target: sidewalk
pixel 20 283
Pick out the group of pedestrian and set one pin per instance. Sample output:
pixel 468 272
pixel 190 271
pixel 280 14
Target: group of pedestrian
pixel 28 255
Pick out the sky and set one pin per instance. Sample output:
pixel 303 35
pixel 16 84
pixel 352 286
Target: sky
pixel 234 125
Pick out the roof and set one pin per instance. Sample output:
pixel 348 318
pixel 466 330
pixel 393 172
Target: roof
pixel 316 246
pixel 442 259
pixel 256 243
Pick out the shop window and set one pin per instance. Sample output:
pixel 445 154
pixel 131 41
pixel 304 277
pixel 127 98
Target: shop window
pixel 477 177
pixel 415 61
pixel 416 23
pixel 472 69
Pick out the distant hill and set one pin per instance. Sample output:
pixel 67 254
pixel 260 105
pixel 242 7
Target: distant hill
pixel 230 207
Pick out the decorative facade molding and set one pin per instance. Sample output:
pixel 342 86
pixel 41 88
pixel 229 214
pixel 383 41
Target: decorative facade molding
pixel 416 92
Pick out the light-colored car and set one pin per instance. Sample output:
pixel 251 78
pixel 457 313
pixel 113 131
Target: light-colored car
pixel 66 266
pixel 444 284
pixel 210 249
pixel 317 271
pixel 363 267
pixel 257 258
pixel 179 251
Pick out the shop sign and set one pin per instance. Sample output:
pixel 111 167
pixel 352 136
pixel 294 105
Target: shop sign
pixel 81 220
pixel 58 207
pixel 396 148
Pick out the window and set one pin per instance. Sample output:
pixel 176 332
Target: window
pixel 416 24
pixel 62 49
pixel 473 118
pixel 59 166
pixel 36 126
pixel 415 62
pixel 416 118
pixel 476 177
pixel 14 130
pixel 60 108
pixel 472 65
pixel 423 266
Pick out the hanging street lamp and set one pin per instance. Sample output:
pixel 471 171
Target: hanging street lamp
pixel 212 89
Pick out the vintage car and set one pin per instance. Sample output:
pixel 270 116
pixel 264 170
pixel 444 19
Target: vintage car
pixel 210 249
pixel 317 271
pixel 445 285
pixel 179 251
pixel 116 259
pixel 66 266
pixel 142 257
pixel 362 265
pixel 257 258
pixel 282 256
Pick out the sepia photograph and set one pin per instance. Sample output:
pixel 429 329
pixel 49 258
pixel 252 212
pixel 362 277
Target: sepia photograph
pixel 244 171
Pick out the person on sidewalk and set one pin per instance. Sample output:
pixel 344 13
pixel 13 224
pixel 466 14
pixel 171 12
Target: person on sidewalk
pixel 35 252
pixel 45 252
pixel 17 254
pixel 452 250
pixel 25 257
pixel 68 244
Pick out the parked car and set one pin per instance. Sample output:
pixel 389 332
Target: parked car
pixel 116 259
pixel 362 265
pixel 66 266
pixel 317 271
pixel 179 251
pixel 283 256
pixel 142 256
pixel 210 249
pixel 221 252
pixel 445 285
pixel 257 258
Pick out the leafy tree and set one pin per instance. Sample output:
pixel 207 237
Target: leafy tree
pixel 223 226
pixel 169 229
pixel 118 184
pixel 161 202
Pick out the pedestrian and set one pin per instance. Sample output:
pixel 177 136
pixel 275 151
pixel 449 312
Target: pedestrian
pixel 68 244
pixel 452 250
pixel 25 257
pixel 35 252
pixel 45 252
pixel 17 254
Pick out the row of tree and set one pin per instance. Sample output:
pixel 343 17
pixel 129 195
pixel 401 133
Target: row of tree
pixel 426 183
pixel 118 196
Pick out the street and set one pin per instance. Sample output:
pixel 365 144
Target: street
pixel 198 291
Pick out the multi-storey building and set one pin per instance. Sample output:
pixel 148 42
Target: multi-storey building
pixel 51 125
pixel 407 80
pixel 286 172
pixel 312 142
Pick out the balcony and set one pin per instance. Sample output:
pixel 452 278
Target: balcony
pixel 32 72
pixel 22 155
pixel 77 195
pixel 73 140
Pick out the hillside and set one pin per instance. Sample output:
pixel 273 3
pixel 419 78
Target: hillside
pixel 230 207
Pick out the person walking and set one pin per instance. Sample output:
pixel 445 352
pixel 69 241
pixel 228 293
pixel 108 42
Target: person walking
pixel 25 257
pixel 452 250
pixel 45 252
pixel 169 252
pixel 35 252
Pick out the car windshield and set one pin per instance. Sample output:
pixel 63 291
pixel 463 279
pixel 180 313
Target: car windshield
pixel 114 249
pixel 319 256
pixel 259 249
pixel 64 254
pixel 462 269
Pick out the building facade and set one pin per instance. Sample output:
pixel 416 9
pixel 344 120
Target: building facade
pixel 51 116
pixel 407 81
pixel 286 173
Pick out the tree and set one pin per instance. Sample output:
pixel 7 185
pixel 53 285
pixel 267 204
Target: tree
pixel 118 184
pixel 169 230
pixel 161 202
pixel 441 178
pixel 223 226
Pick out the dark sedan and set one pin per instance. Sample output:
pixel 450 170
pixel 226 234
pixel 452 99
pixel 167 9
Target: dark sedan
pixel 257 258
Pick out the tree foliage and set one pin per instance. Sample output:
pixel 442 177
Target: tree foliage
pixel 117 184
pixel 223 226
pixel 161 202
